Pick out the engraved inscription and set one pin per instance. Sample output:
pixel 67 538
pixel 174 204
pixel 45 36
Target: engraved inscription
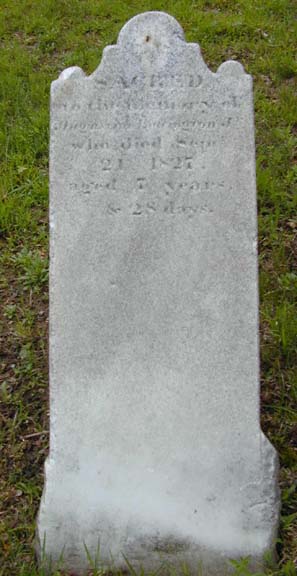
pixel 185 198
pixel 168 208
pixel 142 184
pixel 156 100
pixel 92 125
pixel 177 163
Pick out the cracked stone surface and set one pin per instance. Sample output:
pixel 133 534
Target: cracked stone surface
pixel 156 447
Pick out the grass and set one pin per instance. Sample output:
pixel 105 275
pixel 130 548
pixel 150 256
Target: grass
pixel 38 40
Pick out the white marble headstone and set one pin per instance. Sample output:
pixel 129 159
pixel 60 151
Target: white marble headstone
pixel 156 447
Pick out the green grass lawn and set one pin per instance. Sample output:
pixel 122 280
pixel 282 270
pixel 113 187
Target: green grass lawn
pixel 39 38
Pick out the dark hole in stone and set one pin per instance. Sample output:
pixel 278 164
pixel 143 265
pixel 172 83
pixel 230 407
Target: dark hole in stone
pixel 147 38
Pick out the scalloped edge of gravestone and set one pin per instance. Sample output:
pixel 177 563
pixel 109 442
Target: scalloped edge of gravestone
pixel 140 31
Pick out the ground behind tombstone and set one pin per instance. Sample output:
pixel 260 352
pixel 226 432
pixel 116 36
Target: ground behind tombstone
pixel 38 40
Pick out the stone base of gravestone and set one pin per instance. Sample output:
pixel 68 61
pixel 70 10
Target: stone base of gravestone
pixel 156 451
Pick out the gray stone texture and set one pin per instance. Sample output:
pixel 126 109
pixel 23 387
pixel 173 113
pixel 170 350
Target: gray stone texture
pixel 156 447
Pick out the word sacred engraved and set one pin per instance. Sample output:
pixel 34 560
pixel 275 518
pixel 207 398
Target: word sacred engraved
pixel 152 81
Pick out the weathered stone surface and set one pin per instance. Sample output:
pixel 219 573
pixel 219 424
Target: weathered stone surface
pixel 156 447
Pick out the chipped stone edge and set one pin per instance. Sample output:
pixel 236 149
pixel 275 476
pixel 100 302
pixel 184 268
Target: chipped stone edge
pixel 270 462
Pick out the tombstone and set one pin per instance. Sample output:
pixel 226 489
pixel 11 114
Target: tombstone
pixel 156 451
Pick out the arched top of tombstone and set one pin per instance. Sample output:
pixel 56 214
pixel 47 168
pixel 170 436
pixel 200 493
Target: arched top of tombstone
pixel 154 41
pixel 155 30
